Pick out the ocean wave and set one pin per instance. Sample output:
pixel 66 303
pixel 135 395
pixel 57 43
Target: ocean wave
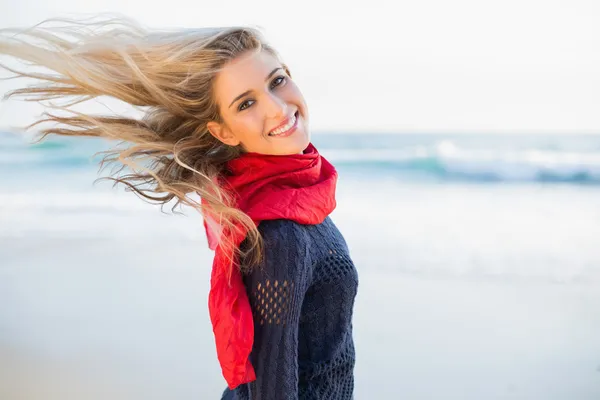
pixel 482 158
pixel 447 161
pixel 23 152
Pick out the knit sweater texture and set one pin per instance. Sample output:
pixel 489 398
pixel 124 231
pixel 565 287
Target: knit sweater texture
pixel 302 297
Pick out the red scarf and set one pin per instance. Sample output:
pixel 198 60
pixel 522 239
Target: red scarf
pixel 298 187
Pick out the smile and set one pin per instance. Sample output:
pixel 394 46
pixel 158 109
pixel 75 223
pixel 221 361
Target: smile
pixel 288 128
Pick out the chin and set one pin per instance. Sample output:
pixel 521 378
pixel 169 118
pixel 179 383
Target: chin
pixel 302 146
pixel 295 146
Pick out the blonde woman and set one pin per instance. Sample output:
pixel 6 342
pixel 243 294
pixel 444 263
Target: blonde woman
pixel 223 118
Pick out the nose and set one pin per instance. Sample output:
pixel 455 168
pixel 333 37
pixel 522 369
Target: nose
pixel 276 106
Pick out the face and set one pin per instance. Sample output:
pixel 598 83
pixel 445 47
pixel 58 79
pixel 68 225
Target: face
pixel 261 107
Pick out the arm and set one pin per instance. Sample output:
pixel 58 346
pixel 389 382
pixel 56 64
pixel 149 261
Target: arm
pixel 276 290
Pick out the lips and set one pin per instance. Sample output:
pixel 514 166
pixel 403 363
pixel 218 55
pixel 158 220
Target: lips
pixel 288 124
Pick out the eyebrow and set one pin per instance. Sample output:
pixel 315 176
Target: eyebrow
pixel 249 91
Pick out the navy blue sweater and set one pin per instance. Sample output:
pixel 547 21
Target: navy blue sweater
pixel 302 296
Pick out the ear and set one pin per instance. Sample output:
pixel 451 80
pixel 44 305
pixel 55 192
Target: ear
pixel 221 132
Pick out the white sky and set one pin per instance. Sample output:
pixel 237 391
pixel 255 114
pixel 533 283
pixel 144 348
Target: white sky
pixel 401 66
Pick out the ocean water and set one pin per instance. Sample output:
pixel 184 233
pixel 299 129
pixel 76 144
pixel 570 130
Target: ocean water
pixel 478 258
pixel 481 158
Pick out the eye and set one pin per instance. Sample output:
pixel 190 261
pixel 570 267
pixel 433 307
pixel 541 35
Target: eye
pixel 278 81
pixel 241 106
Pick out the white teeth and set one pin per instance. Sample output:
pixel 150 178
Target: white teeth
pixel 284 128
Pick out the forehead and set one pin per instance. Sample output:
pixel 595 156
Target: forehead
pixel 243 73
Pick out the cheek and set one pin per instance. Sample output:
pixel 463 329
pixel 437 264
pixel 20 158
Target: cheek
pixel 295 96
pixel 249 125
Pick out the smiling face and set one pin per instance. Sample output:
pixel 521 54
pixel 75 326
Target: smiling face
pixel 261 107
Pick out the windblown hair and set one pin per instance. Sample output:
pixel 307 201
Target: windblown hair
pixel 169 75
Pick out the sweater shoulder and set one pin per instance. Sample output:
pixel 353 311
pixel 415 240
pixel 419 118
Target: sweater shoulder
pixel 287 242
pixel 283 230
pixel 320 239
pixel 286 253
pixel 286 238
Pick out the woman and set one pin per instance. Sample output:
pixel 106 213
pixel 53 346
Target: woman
pixel 223 118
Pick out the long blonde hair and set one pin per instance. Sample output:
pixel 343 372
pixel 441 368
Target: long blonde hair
pixel 169 74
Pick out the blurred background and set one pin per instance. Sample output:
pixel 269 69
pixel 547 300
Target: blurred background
pixel 467 138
